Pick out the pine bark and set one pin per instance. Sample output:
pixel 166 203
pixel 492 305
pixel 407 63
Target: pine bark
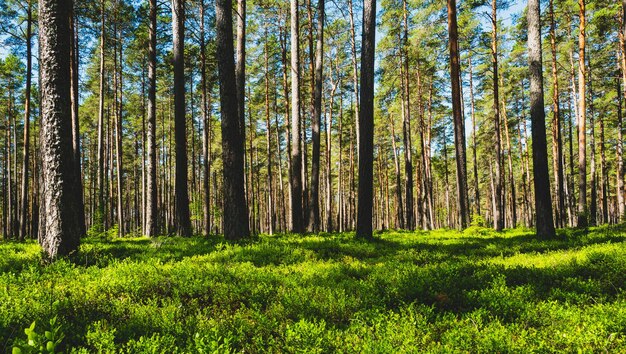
pixel 582 123
pixel 543 202
pixel 60 228
pixel 296 133
pixel 459 126
pixel 182 220
pixel 235 210
pixel 152 213
pixel 499 204
pixel 366 123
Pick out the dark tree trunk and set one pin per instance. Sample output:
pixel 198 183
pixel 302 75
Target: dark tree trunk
pixel 459 127
pixel 314 208
pixel 235 217
pixel 206 114
pixel 100 214
pixel 182 220
pixel 543 202
pixel 60 229
pixel 366 123
pixel 296 153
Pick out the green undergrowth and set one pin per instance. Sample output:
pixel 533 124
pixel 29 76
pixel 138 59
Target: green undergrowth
pixel 441 291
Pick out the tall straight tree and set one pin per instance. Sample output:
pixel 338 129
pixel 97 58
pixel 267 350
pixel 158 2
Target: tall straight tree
pixel 60 229
pixel 582 122
pixel 557 144
pixel 151 217
pixel 459 127
pixel 240 65
pixel 235 210
pixel 314 207
pixel 26 152
pixel 366 123
pixel 182 219
pixel 543 202
pixel 499 178
pixel 296 151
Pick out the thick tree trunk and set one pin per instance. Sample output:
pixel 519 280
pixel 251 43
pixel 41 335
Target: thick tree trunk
pixel 355 71
pixel 543 202
pixel 366 123
pixel 182 220
pixel 296 133
pixel 235 210
pixel 459 126
pixel 60 229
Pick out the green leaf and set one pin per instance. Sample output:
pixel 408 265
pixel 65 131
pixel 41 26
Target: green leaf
pixel 50 346
pixel 48 335
pixel 16 350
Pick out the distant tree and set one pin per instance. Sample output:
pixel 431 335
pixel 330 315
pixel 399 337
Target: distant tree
pixel 582 121
pixel 60 228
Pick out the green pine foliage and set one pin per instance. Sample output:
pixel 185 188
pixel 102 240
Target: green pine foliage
pixel 441 291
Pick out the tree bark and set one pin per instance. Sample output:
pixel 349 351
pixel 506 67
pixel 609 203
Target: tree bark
pixel 235 210
pixel 314 208
pixel 60 229
pixel 296 152
pixel 366 123
pixel 582 128
pixel 499 205
pixel 182 220
pixel 459 126
pixel 152 213
pixel 543 202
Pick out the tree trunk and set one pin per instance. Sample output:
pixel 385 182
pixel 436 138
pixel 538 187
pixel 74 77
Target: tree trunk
pixel 270 194
pixel 296 153
pixel 26 152
pixel 557 144
pixel 60 229
pixel 499 204
pixel 459 126
pixel 474 148
pixel 152 214
pixel 366 123
pixel 355 71
pixel 582 120
pixel 235 210
pixel 543 202
pixel 314 208
pixel 182 220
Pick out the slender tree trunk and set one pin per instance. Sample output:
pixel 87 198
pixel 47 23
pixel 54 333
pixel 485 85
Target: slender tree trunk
pixel 474 148
pixel 543 202
pixel 499 209
pixel 101 217
pixel 26 152
pixel 620 139
pixel 60 229
pixel 235 211
pixel 314 209
pixel 152 213
pixel 459 126
pixel 593 207
pixel 270 194
pixel 582 121
pixel 206 113
pixel 557 144
pixel 366 123
pixel 118 141
pixel 355 71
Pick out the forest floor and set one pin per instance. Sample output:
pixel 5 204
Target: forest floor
pixel 440 291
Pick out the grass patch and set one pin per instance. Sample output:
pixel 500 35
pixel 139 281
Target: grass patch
pixel 440 291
